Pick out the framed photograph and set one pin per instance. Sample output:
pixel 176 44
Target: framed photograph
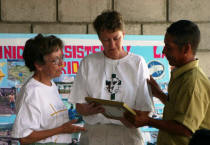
pixel 113 109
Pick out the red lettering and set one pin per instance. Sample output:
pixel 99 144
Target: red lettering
pixel 102 48
pixel 127 48
pixel 7 52
pixel 20 52
pixel 14 52
pixel 1 52
pixel 163 55
pixel 94 49
pixel 68 53
pixel 88 49
pixel 74 52
pixel 69 67
pixel 80 53
pixel 155 52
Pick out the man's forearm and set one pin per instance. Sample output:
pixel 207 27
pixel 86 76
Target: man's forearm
pixel 170 126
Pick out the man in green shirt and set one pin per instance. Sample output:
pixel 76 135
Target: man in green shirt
pixel 187 105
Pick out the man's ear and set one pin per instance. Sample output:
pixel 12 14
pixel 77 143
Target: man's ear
pixel 187 48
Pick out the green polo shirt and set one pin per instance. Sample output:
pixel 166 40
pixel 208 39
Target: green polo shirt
pixel 188 104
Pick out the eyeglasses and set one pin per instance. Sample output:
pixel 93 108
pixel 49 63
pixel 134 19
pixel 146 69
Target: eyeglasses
pixel 58 60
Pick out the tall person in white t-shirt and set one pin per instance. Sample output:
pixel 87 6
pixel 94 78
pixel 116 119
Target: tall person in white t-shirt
pixel 111 74
pixel 41 115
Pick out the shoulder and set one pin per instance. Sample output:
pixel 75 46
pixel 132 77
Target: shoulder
pixel 201 80
pixel 31 85
pixel 195 75
pixel 93 56
pixel 27 94
pixel 134 58
pixel 30 89
pixel 196 81
pixel 92 59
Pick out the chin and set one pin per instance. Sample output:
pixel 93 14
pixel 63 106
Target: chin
pixel 57 75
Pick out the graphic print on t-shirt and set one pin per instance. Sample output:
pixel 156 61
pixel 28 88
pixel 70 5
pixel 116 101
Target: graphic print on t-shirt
pixel 113 86
pixel 57 109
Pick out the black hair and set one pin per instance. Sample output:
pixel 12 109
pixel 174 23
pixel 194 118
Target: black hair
pixel 36 48
pixel 185 32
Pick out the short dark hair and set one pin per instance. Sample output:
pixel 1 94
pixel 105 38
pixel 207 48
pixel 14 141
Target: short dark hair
pixel 184 32
pixel 36 48
pixel 108 20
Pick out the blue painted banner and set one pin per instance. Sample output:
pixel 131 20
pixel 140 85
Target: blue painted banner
pixel 76 47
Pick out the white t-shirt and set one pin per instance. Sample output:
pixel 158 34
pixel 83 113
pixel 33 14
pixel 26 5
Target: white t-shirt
pixel 39 107
pixel 101 77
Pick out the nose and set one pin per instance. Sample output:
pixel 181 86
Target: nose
pixel 111 43
pixel 61 63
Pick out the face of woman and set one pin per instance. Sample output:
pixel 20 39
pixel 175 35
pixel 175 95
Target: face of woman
pixel 112 43
pixel 53 64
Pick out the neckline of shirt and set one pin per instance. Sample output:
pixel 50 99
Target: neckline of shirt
pixel 40 83
pixel 115 61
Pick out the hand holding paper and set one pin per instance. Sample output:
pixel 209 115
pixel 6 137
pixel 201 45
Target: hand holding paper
pixel 89 109
pixel 112 109
pixel 140 119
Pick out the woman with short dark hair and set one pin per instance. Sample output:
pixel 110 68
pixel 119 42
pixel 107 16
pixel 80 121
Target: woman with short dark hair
pixel 41 115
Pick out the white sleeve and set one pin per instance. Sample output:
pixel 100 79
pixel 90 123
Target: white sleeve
pixel 143 96
pixel 79 88
pixel 28 117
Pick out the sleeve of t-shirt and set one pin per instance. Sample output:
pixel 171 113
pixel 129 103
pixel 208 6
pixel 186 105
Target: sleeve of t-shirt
pixel 143 97
pixel 79 88
pixel 28 117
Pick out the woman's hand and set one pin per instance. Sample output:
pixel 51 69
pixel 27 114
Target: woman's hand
pixel 68 127
pixel 89 109
pixel 35 136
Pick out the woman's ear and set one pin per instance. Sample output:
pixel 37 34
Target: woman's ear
pixel 38 66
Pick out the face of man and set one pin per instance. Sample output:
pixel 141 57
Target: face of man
pixel 175 56
pixel 112 43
